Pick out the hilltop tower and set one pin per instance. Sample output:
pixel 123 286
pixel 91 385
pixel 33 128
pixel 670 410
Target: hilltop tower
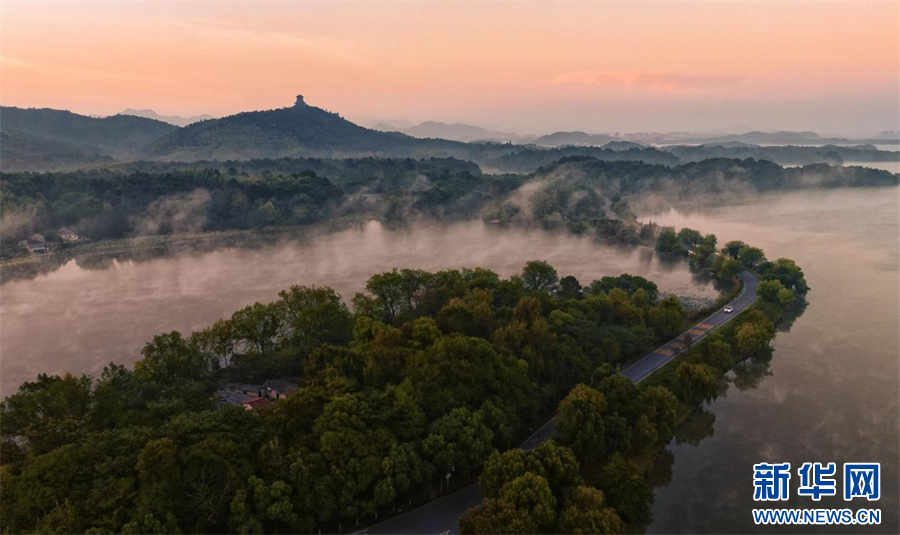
pixel 299 103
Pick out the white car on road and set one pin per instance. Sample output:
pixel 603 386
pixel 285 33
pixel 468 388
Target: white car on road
pixel 729 309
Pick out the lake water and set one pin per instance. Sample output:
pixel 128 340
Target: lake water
pixel 832 395
pixel 81 317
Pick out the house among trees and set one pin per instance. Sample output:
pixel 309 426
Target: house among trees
pixel 66 235
pixel 255 403
pixel 277 389
pixel 36 247
pixel 252 396
pixel 227 397
pixel 250 390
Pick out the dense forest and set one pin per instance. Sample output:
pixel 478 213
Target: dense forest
pixel 427 373
pixel 579 193
pixel 591 477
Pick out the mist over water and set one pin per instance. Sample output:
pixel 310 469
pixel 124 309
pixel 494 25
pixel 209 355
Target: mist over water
pixel 79 319
pixel 832 395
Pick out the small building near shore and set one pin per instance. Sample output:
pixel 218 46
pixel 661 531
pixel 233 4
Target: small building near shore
pixel 36 247
pixel 66 235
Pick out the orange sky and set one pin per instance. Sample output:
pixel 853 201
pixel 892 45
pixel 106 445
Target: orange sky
pixel 527 67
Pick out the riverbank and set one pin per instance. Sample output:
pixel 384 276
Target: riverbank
pixel 98 254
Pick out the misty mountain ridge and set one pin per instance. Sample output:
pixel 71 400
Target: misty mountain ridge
pixel 46 139
pixel 171 119
pixel 297 131
pixel 576 138
pixel 20 151
pixel 455 131
pixel 119 136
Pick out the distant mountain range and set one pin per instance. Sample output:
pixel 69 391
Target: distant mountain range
pixel 119 136
pixel 171 119
pixel 558 139
pixel 46 139
pixel 455 132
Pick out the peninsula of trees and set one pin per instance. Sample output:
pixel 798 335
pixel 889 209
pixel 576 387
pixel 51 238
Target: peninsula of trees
pixel 429 372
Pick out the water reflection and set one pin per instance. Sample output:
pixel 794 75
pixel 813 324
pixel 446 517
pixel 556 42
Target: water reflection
pixel 831 390
pixel 699 425
pixel 750 373
pixel 94 310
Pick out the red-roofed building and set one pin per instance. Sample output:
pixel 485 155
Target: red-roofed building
pixel 255 403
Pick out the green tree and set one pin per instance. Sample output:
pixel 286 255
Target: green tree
pixel 472 314
pixel 717 353
pixel 499 469
pixel 538 275
pixel 661 407
pixel 668 241
pixel 732 248
pixel 314 316
pixel 626 491
pixel 459 371
pixel 569 288
pixel 586 512
pixel 557 464
pixel 169 358
pixel 768 290
pixel 580 423
pixel 497 516
pixel 531 493
pixel 389 290
pixel 459 441
pixel 787 272
pixel 49 412
pixel 786 298
pixel 257 325
pixel 751 257
pixel 725 268
pixel 689 237
pixel 218 340
pixel 667 319
pixel 752 339
pixel 159 475
pixel 263 507
pixel 704 249
pixel 697 381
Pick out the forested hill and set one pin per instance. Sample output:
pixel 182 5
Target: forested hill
pixel 713 176
pixel 54 140
pixel 298 131
pixel 21 151
pixel 117 136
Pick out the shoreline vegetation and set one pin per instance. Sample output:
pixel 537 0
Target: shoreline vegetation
pixel 426 373
pixel 579 194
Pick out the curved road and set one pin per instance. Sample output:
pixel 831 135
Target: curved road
pixel 442 515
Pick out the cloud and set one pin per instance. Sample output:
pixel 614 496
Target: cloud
pixel 665 80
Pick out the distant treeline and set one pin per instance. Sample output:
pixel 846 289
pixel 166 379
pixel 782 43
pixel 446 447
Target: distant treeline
pixel 578 193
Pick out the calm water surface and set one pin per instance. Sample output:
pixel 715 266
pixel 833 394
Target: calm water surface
pixel 79 319
pixel 832 395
